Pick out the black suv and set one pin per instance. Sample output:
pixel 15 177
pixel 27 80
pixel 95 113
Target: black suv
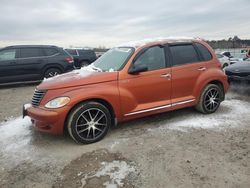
pixel 82 57
pixel 33 62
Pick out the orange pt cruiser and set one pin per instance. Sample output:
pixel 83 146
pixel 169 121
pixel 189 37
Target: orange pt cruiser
pixel 129 81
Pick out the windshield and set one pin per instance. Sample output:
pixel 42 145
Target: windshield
pixel 114 59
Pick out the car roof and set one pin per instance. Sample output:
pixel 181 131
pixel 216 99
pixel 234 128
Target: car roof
pixel 160 40
pixel 31 46
pixel 84 49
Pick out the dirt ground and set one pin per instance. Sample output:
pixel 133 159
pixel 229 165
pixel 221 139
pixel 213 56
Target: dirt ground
pixel 176 149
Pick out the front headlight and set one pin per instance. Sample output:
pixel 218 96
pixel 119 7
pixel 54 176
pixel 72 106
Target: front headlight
pixel 58 102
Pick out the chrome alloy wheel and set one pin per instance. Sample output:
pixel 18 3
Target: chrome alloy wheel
pixel 91 124
pixel 51 74
pixel 212 99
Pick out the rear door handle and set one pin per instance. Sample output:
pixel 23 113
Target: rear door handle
pixel 167 76
pixel 13 63
pixel 202 68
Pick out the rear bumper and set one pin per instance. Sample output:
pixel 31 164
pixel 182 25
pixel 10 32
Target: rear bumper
pixel 47 120
pixel 69 67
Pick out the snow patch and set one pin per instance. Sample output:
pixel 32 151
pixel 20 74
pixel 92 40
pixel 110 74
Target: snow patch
pixel 139 43
pixel 75 74
pixel 235 110
pixel 26 106
pixel 116 170
pixel 15 133
pixel 89 68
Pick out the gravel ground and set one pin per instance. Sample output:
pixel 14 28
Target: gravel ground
pixel 175 149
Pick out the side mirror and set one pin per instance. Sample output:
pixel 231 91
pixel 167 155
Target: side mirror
pixel 135 69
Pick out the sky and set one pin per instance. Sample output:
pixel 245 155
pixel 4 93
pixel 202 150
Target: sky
pixel 92 23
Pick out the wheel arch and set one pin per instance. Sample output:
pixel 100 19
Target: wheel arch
pixel 51 66
pixel 213 81
pixel 98 100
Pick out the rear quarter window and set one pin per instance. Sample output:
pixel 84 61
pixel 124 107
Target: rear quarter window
pixel 183 54
pixel 205 53
pixel 50 51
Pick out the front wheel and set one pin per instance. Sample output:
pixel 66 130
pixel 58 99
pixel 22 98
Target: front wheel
pixel 51 72
pixel 89 122
pixel 210 99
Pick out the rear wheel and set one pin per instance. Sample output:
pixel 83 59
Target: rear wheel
pixel 89 122
pixel 84 63
pixel 210 99
pixel 52 72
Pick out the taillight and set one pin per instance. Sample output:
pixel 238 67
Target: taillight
pixel 69 59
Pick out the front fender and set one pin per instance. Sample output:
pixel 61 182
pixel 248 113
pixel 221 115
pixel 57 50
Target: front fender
pixel 107 92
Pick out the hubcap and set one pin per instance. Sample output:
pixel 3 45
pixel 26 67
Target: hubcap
pixel 91 124
pixel 51 74
pixel 212 99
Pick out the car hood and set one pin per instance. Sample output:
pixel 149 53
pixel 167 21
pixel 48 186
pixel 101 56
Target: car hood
pixel 77 78
pixel 239 67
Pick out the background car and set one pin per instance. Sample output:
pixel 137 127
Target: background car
pixel 227 54
pixel 224 60
pixel 239 71
pixel 237 58
pixel 82 57
pixel 32 63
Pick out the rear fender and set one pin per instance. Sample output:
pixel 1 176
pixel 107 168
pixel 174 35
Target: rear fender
pixel 211 75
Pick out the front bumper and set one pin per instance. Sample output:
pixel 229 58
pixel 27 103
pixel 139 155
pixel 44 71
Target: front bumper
pixel 238 78
pixel 47 120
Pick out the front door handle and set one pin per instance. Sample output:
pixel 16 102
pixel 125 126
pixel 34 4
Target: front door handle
pixel 167 76
pixel 202 68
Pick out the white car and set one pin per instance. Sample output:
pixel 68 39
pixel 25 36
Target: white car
pixel 224 60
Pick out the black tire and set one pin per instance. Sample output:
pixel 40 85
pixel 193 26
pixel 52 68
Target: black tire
pixel 210 99
pixel 52 72
pixel 85 128
pixel 84 63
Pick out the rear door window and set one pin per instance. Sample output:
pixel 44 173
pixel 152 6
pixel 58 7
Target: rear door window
pixel 9 54
pixel 153 58
pixel 183 54
pixel 30 52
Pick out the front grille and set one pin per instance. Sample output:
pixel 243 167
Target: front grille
pixel 37 97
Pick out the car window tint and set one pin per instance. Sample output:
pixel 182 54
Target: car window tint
pixel 50 51
pixel 82 52
pixel 71 52
pixel 153 58
pixel 183 54
pixel 7 54
pixel 30 52
pixel 204 52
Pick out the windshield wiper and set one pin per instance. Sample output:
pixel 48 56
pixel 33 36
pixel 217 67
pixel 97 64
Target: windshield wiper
pixel 97 69
pixel 93 67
